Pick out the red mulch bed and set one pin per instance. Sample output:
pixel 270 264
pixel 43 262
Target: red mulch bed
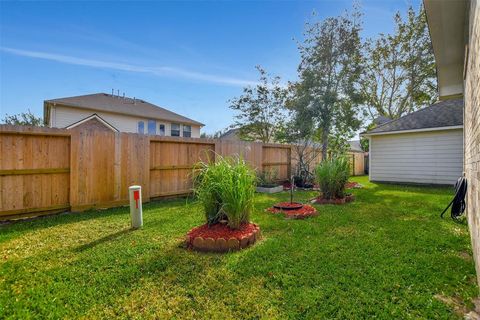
pixel 220 230
pixel 302 213
pixel 221 238
pixel 352 185
pixel 287 186
pixel 348 185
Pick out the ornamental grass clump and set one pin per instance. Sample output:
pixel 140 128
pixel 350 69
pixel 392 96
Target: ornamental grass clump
pixel 226 189
pixel 206 178
pixel 332 175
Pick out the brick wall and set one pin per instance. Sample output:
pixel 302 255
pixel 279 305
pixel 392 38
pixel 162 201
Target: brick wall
pixel 472 130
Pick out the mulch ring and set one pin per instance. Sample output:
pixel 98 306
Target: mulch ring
pixel 320 200
pixel 316 187
pixel 221 238
pixel 353 185
pixel 304 212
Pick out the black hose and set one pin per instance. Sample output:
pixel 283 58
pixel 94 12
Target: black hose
pixel 458 202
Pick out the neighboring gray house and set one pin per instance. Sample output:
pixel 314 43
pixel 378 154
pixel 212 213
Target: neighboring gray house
pixel 355 146
pixel 231 134
pixel 119 114
pixel 425 146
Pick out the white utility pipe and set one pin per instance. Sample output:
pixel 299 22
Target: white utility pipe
pixel 136 213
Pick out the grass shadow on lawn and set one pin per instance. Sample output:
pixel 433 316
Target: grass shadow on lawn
pixel 15 227
pixel 107 238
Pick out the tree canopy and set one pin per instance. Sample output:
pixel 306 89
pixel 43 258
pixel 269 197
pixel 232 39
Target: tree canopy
pixel 329 73
pixel 23 119
pixel 260 109
pixel 399 75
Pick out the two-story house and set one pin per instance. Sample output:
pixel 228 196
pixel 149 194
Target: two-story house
pixel 118 113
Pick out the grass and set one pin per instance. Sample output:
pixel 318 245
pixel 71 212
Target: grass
pixel 386 255
pixel 226 187
pixel 331 176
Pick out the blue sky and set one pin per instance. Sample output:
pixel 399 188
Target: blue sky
pixel 190 56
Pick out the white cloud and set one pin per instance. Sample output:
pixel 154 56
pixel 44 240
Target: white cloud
pixel 157 71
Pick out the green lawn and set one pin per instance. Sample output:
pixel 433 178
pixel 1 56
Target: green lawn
pixel 387 255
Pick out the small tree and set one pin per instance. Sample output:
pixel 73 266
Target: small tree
pixel 301 134
pixel 260 109
pixel 23 119
pixel 400 69
pixel 329 75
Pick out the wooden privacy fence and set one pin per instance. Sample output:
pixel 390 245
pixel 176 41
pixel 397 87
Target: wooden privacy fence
pixel 45 170
pixel 357 166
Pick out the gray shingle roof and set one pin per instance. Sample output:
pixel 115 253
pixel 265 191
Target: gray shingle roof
pixel 231 134
pixel 381 120
pixel 440 114
pixel 355 146
pixel 108 103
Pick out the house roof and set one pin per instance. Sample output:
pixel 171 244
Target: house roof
pixel 93 116
pixel 355 146
pixel 381 120
pixel 231 134
pixel 117 104
pixel 440 114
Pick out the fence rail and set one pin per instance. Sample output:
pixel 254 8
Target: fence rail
pixel 45 170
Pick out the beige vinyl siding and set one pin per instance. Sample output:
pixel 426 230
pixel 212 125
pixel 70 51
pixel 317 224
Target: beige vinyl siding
pixel 426 157
pixel 62 117
pixel 195 132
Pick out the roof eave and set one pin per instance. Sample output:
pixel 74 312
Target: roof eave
pixel 447 22
pixel 369 134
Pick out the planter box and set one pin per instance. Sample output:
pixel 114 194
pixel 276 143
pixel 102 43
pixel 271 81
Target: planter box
pixel 270 189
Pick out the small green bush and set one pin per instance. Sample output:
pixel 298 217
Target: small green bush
pixel 268 178
pixel 332 175
pixel 226 189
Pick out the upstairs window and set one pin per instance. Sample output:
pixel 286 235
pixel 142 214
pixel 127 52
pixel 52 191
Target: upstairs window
pixel 161 129
pixel 141 127
pixel 175 130
pixel 152 125
pixel 187 131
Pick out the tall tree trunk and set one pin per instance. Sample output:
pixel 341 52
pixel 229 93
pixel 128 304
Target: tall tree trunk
pixel 324 143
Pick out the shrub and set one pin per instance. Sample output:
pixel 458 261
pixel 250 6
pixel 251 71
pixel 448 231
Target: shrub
pixel 268 178
pixel 332 175
pixel 225 189
pixel 205 182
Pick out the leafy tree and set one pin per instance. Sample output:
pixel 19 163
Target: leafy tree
pixel 338 144
pixel 400 69
pixel 215 135
pixel 329 73
pixel 261 109
pixel 364 142
pixel 23 119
